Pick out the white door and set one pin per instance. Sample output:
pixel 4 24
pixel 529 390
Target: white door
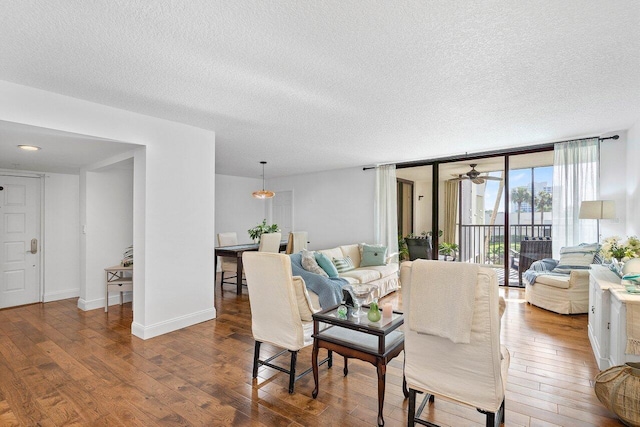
pixel 19 227
pixel 282 212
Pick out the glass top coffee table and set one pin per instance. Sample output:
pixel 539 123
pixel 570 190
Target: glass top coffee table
pixel 359 338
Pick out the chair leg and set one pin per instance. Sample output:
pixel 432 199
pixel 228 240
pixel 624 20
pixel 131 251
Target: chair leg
pixel 256 357
pixel 221 279
pixel 494 419
pixel 292 370
pixel 412 408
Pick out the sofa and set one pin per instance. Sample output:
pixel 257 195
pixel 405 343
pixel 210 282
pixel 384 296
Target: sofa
pixel 385 276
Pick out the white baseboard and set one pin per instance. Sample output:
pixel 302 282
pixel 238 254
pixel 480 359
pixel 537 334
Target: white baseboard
pixel 114 299
pixel 146 332
pixel 58 295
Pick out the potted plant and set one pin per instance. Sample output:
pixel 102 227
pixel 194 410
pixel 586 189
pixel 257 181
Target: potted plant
pixel 403 251
pixel 448 250
pixel 260 229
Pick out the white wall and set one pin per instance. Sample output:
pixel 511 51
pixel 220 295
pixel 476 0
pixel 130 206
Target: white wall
pixel 613 186
pixel 334 207
pixel 422 208
pixel 61 237
pixel 174 188
pixel 236 209
pixel 108 222
pixel 632 181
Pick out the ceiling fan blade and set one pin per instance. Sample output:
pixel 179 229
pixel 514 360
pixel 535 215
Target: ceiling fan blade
pixel 492 178
pixel 478 180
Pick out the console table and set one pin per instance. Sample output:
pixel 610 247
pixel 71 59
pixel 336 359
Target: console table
pixel 608 302
pixel 117 279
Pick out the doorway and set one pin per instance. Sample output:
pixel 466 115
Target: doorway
pixel 282 212
pixel 20 241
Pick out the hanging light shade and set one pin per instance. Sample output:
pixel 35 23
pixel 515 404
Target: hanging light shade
pixel 263 194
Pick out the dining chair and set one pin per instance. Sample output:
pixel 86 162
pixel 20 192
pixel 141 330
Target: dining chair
pixel 270 242
pixel 228 265
pixel 281 310
pixel 297 242
pixel 456 355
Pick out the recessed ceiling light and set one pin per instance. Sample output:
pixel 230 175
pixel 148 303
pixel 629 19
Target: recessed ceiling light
pixel 29 147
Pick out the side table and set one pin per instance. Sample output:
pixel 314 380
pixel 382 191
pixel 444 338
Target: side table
pixel 117 279
pixel 357 337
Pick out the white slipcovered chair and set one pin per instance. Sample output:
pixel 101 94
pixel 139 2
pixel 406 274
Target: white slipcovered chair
pixel 297 242
pixel 280 310
pixel 228 265
pixel 270 242
pixel 473 373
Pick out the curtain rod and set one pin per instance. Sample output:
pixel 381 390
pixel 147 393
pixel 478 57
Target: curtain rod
pixel 486 154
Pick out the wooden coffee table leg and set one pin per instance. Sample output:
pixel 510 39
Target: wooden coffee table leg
pixel 314 365
pixel 382 371
pixel 345 370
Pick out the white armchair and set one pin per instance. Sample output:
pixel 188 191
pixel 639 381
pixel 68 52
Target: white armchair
pixel 472 373
pixel 280 310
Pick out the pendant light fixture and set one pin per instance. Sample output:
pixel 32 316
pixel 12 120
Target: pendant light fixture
pixel 263 194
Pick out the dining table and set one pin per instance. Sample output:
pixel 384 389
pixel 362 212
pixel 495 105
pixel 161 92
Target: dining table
pixel 236 251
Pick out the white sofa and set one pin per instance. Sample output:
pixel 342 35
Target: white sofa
pixel 385 277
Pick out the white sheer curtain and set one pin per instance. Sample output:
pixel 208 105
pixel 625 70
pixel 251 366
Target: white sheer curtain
pixel 385 217
pixel 575 178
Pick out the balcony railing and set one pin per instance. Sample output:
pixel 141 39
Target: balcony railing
pixel 484 244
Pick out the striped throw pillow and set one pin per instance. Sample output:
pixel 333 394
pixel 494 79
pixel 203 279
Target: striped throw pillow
pixel 343 264
pixel 576 258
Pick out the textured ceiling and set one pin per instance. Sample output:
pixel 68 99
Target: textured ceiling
pixel 310 86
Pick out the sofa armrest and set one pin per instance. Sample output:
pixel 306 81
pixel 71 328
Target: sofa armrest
pixel 390 258
pixel 579 278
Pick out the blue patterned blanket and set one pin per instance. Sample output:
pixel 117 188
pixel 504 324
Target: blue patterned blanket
pixel 543 266
pixel 329 289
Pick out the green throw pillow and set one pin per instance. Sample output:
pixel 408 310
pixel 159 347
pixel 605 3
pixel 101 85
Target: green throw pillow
pixel 325 263
pixel 373 255
pixel 343 264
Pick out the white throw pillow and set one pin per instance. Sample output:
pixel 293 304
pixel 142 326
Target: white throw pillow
pixel 576 258
pixel 310 264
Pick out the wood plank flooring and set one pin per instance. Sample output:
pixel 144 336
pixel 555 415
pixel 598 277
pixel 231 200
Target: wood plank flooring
pixel 60 366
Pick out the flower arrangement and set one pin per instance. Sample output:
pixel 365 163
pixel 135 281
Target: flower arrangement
pixel 615 248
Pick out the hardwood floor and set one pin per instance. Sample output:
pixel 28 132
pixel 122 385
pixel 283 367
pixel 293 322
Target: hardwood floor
pixel 62 366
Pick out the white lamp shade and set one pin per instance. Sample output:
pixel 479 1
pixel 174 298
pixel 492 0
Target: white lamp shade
pixel 597 209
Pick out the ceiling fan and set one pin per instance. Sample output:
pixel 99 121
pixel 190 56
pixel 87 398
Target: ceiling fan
pixel 475 176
